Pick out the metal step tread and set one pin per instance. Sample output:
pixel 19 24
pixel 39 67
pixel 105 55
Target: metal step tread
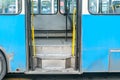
pixel 53 35
pixel 54 41
pixel 53 72
pixel 44 71
pixel 52 31
pixel 44 45
pixel 53 56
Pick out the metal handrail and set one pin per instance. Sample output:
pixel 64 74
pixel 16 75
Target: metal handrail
pixel 33 33
pixel 74 33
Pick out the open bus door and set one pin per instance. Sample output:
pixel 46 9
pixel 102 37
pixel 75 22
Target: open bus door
pixel 53 38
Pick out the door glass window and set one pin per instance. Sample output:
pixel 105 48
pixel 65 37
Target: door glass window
pixel 67 6
pixel 48 6
pixel 10 6
pixel 34 7
pixel 44 6
pixel 104 6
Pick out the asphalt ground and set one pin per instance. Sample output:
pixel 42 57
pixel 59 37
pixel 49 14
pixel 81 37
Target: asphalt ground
pixel 88 76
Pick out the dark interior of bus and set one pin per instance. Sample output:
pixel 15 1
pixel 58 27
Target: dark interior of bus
pixel 53 46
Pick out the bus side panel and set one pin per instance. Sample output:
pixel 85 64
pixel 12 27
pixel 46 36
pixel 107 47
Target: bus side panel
pixel 12 39
pixel 100 34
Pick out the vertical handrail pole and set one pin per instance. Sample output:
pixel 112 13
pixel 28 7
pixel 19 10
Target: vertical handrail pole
pixel 33 33
pixel 74 32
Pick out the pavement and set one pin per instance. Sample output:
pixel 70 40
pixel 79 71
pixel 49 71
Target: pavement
pixel 89 76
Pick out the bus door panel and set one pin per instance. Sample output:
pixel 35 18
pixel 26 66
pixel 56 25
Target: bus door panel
pixel 12 33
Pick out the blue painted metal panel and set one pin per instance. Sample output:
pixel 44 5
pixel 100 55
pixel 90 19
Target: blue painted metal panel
pixel 12 39
pixel 100 33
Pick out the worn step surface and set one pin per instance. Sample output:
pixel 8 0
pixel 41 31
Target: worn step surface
pixel 54 64
pixel 48 35
pixel 53 46
pixel 65 49
pixel 44 71
pixel 58 33
pixel 53 41
pixel 53 54
pixel 53 61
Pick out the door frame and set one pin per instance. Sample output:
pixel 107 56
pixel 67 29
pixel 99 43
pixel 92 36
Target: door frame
pixel 79 34
pixel 29 50
pixel 29 60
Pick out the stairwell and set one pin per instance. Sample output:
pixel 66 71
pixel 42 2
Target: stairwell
pixel 53 52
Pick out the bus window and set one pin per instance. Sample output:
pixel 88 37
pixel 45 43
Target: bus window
pixel 104 6
pixel 67 6
pixel 93 6
pixel 48 6
pixel 116 7
pixel 34 7
pixel 10 6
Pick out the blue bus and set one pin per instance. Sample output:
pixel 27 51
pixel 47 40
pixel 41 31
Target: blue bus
pixel 59 36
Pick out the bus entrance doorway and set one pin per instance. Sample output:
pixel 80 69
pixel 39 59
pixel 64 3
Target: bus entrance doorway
pixel 53 36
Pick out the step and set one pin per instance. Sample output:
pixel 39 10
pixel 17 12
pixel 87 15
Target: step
pixel 49 35
pixel 53 56
pixel 54 64
pixel 53 41
pixel 63 71
pixel 53 49
pixel 52 33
